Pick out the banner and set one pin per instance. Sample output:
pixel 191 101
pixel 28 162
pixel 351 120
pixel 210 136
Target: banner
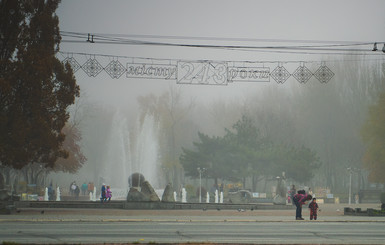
pixel 151 71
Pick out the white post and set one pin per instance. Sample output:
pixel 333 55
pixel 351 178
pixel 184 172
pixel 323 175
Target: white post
pixel 184 195
pixel 58 194
pixel 46 194
pixel 216 196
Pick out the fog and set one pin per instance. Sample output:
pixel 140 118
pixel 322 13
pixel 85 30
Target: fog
pixel 119 134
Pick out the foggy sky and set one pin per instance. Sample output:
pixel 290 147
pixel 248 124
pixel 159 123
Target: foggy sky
pixel 330 20
pixel 318 21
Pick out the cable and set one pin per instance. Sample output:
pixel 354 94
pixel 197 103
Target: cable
pixel 213 38
pixel 116 39
pixel 69 54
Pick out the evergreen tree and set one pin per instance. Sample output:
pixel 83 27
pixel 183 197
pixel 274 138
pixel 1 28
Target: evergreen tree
pixel 35 87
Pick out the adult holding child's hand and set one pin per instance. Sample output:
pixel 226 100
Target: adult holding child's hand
pixel 299 199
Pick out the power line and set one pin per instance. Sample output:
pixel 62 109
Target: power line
pixel 327 46
pixel 215 38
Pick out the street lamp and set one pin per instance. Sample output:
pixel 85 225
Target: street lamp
pixel 200 170
pixel 350 184
pixel 351 170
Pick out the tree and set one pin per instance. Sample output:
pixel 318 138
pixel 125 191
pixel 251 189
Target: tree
pixel 373 134
pixel 249 148
pixel 75 159
pixel 245 153
pixel 212 153
pixel 35 87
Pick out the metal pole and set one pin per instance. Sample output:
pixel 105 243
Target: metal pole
pixel 350 186
pixel 200 185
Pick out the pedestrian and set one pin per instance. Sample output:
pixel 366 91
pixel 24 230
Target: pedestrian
pixel 77 192
pixel 313 206
pixel 103 193
pixel 84 188
pixel 299 199
pixel 90 187
pixel 50 192
pixel 108 194
pixel 73 188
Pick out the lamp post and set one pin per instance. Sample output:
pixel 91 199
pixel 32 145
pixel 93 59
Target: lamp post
pixel 200 170
pixel 350 185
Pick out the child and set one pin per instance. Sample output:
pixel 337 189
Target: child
pixel 313 209
pixel 108 194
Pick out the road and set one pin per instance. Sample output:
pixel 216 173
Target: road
pixel 189 232
pixel 85 226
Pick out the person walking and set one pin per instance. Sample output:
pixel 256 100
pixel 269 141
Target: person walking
pixel 108 194
pixel 103 193
pixel 84 188
pixel 77 192
pixel 299 199
pixel 313 206
pixel 90 187
pixel 73 188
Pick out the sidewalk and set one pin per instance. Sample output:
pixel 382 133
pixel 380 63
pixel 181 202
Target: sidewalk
pixel 328 213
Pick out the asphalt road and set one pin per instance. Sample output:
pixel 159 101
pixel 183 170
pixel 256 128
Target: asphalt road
pixel 295 232
pixel 86 226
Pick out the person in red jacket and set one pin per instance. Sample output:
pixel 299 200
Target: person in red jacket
pixel 299 199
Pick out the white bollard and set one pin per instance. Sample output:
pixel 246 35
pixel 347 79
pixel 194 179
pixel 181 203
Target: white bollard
pixel 216 196
pixel 184 195
pixel 46 194
pixel 58 194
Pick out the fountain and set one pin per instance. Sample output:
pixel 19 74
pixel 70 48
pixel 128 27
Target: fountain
pixel 207 197
pixel 221 198
pixel 117 157
pixel 175 196
pixel 124 157
pixel 146 157
pixel 58 194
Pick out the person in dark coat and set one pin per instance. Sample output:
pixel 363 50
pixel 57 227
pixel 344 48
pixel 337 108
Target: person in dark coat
pixel 299 199
pixel 103 193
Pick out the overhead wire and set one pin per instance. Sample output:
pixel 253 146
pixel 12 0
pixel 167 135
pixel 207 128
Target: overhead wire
pixel 327 46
